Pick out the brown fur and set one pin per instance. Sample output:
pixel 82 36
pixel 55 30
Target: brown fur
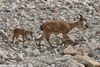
pixel 22 32
pixel 59 27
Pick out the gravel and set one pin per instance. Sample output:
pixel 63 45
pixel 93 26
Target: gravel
pixel 30 14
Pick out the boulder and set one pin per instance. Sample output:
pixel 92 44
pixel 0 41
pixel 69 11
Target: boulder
pixel 87 61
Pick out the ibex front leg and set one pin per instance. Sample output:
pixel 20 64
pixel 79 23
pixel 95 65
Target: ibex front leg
pixel 23 39
pixel 47 38
pixel 40 40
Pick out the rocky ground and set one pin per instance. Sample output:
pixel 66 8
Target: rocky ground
pixel 82 49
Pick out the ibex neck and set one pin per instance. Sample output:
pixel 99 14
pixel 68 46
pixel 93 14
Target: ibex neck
pixel 73 25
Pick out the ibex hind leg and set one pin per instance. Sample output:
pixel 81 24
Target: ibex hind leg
pixel 12 39
pixel 14 36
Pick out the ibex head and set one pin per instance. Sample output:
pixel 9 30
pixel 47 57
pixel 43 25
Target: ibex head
pixel 81 23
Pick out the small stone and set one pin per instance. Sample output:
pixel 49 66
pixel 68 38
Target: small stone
pixel 27 51
pixel 20 57
pixel 1 31
pixel 5 36
pixel 54 10
pixel 35 52
pixel 72 37
pixel 53 65
pixel 2 60
pixel 72 65
pixel 85 48
pixel 0 19
pixel 14 48
pixel 70 50
pixel 1 53
pixel 12 56
pixel 81 65
pixel 30 65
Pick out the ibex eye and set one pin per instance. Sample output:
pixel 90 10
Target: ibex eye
pixel 86 26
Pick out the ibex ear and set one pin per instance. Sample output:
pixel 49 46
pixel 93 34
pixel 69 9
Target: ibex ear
pixel 84 19
pixel 31 28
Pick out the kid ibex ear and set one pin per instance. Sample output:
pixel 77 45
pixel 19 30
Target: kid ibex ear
pixel 31 29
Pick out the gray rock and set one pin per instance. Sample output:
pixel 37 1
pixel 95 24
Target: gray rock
pixel 1 31
pixel 1 53
pixel 70 50
pixel 2 60
pixel 35 52
pixel 30 65
pixel 19 57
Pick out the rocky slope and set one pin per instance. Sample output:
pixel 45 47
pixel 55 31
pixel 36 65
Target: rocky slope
pixel 84 49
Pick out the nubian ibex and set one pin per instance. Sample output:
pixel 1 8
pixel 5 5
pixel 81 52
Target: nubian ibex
pixel 59 27
pixel 22 32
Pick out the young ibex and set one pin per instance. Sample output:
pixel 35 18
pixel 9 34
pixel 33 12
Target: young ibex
pixel 59 27
pixel 22 32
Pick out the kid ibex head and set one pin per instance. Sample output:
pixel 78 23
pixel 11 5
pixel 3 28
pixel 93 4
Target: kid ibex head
pixel 31 33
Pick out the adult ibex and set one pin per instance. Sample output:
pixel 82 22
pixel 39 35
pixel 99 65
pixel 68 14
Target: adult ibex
pixel 59 27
